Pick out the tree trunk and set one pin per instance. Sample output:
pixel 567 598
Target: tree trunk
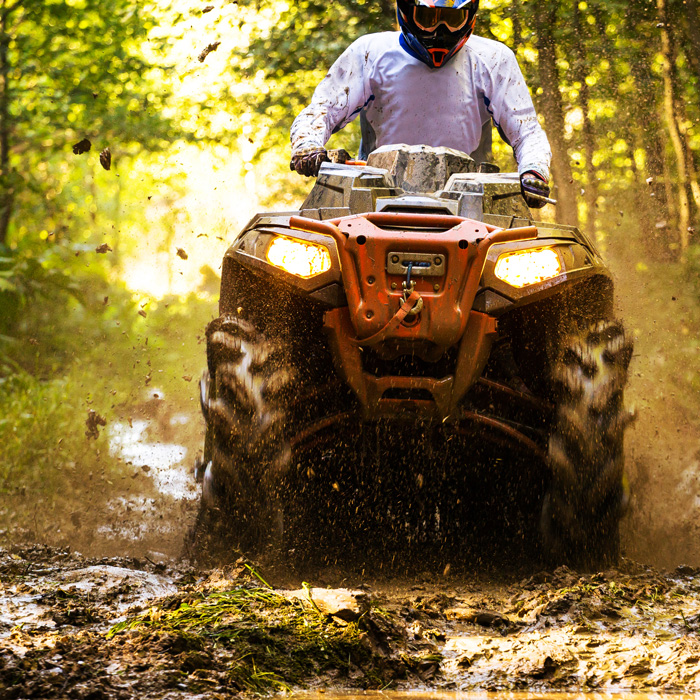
pixel 6 186
pixel 667 177
pixel 641 194
pixel 692 17
pixel 591 194
pixel 670 113
pixel 515 12
pixel 553 111
pixel 647 119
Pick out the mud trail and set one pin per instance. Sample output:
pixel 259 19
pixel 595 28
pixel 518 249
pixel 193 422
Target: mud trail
pixel 125 627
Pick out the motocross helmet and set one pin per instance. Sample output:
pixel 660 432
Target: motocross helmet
pixel 434 30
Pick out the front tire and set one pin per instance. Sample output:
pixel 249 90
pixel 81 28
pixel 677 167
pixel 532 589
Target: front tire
pixel 588 492
pixel 243 394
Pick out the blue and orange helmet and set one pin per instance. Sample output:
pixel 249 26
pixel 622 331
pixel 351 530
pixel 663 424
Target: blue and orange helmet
pixel 434 30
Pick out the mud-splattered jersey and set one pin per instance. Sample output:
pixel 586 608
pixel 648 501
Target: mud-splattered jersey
pixel 401 100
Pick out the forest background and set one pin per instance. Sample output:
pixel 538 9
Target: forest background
pixel 109 276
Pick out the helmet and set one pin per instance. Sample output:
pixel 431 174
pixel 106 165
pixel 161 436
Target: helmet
pixel 434 30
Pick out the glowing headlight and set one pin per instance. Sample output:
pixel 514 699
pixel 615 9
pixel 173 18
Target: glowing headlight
pixel 299 258
pixel 528 266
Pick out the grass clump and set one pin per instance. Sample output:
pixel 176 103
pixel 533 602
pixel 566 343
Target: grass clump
pixel 266 641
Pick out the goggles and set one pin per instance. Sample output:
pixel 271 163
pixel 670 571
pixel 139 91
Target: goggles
pixel 430 18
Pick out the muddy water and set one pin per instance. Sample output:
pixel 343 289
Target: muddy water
pixel 150 511
pixel 170 490
pixel 137 497
pixel 422 694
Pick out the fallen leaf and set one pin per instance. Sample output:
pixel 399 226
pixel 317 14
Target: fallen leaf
pixel 207 50
pixel 104 248
pixel 208 8
pixel 106 159
pixel 187 377
pixel 181 253
pixel 82 147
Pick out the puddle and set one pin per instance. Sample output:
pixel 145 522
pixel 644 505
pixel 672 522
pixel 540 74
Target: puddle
pixel 28 605
pixel 127 587
pixel 631 629
pixel 150 510
pixel 163 463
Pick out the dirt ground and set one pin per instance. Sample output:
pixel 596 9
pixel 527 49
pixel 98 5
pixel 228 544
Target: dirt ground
pixel 124 627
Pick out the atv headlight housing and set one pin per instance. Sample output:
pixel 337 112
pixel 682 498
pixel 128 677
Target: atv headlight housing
pixel 526 267
pixel 301 258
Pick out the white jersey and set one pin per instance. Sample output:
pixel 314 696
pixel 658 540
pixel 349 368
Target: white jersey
pixel 401 100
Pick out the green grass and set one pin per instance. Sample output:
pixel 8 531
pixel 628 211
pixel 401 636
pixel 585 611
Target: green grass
pixel 270 642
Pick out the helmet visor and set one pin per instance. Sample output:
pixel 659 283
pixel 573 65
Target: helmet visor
pixel 430 18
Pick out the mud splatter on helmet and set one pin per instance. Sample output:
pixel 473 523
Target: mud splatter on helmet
pixel 434 30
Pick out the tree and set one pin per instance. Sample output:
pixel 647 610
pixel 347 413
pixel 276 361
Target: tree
pixel 553 110
pixel 71 70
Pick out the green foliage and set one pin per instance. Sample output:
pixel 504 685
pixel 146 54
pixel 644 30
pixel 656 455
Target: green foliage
pixel 76 69
pixel 42 438
pixel 24 279
pixel 293 52
pixel 71 70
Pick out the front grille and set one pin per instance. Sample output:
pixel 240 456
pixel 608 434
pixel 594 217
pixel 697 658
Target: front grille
pixel 408 365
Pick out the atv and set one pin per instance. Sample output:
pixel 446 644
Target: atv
pixel 370 345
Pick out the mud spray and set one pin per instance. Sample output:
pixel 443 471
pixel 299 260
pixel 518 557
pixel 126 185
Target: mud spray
pixel 663 446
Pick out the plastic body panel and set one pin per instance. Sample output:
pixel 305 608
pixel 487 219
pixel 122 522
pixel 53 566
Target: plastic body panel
pixel 358 296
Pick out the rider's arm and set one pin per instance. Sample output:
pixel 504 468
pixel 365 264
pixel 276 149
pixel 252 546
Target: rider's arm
pixel 510 104
pixel 337 100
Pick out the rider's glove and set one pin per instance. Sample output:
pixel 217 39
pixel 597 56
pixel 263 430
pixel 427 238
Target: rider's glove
pixel 532 183
pixel 307 161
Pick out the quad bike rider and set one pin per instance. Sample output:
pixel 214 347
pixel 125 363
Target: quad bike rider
pixel 411 306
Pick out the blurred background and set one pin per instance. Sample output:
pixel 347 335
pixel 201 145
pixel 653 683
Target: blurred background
pixel 137 138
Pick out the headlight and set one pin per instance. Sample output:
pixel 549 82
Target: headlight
pixel 528 266
pixel 297 257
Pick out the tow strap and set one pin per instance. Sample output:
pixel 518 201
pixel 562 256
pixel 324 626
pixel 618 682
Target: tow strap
pixel 406 307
